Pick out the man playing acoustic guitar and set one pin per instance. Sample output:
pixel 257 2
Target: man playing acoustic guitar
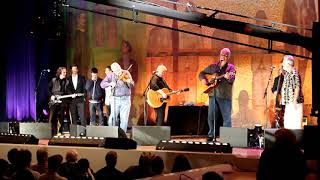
pixel 219 78
pixel 157 83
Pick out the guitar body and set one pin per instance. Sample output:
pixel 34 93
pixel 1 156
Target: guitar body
pixel 154 98
pixel 213 82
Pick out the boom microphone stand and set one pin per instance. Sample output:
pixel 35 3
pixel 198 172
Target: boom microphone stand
pixel 36 92
pixel 145 112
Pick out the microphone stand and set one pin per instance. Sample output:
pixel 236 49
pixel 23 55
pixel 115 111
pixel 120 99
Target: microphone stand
pixel 36 94
pixel 265 96
pixel 145 113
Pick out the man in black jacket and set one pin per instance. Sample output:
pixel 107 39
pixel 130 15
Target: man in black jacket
pixel 57 87
pixel 95 95
pixel 77 87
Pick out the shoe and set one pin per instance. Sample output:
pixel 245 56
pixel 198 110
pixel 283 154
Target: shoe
pixel 210 139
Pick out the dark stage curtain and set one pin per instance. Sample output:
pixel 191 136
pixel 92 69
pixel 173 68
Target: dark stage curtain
pixel 20 63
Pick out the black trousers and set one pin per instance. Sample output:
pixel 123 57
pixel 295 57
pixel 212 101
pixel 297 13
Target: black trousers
pixel 160 111
pixel 77 112
pixel 56 116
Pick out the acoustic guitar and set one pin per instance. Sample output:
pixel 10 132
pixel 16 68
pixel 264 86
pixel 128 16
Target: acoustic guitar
pixel 155 99
pixel 214 81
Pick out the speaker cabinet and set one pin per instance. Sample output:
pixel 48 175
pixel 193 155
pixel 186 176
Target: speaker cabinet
pixel 150 135
pixel 39 130
pixel 102 131
pixel 120 143
pixel 236 137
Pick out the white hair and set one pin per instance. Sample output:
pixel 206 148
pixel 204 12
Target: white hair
pixel 289 60
pixel 161 68
pixel 116 68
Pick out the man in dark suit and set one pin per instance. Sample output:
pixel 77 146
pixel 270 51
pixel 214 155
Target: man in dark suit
pixel 77 87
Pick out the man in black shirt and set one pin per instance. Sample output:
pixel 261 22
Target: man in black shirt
pixel 157 83
pixel 95 95
pixel 220 97
pixel 58 86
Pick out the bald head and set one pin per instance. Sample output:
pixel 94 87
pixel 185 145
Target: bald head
pixel 225 54
pixel 72 156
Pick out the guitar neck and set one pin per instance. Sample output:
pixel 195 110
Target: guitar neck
pixel 69 95
pixel 173 92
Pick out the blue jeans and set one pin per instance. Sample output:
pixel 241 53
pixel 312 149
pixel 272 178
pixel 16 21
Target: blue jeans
pixel 93 107
pixel 120 105
pixel 216 104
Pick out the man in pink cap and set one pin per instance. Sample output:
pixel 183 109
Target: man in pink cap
pixel 291 95
pixel 221 96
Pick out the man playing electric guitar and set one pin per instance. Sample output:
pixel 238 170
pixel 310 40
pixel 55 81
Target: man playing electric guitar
pixel 157 83
pixel 58 87
pixel 221 95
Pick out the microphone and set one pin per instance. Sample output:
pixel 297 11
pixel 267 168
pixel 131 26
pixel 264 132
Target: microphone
pixel 154 72
pixel 272 67
pixel 46 70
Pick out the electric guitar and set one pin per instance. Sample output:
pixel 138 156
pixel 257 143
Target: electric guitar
pixel 155 99
pixel 214 81
pixel 59 97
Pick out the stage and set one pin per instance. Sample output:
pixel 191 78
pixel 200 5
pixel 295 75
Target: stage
pixel 240 161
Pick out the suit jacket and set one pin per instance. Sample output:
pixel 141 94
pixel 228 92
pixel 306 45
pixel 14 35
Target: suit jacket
pixel 81 82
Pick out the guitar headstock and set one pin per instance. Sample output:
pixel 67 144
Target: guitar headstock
pixel 185 89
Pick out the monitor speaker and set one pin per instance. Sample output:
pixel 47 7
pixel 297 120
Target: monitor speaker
pixel 150 135
pixel 39 130
pixel 237 137
pixel 105 131
pixel 77 130
pixel 4 127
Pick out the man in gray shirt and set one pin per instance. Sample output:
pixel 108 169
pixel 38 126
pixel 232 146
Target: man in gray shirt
pixel 121 83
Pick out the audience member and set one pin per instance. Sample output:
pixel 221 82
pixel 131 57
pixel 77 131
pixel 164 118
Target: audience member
pixel 4 168
pixel 54 163
pixel 42 161
pixel 24 174
pixel 109 171
pixel 157 166
pixel 12 158
pixel 180 163
pixel 211 175
pixel 144 169
pixel 23 162
pixel 83 171
pixel 69 168
pixel 284 160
